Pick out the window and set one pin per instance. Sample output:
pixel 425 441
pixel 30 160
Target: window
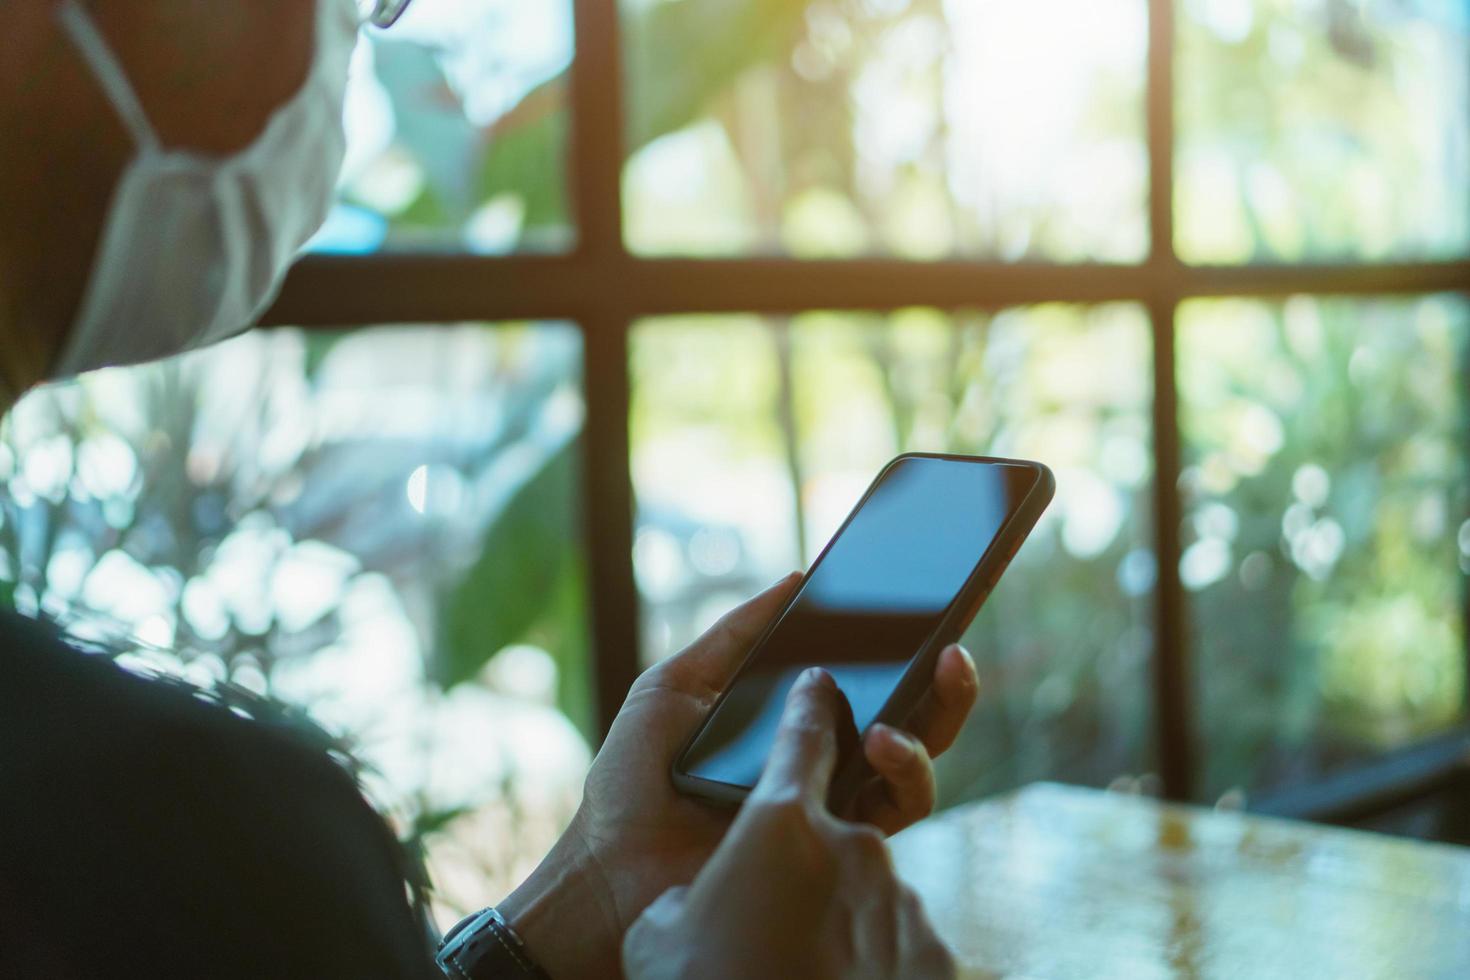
pixel 457 130
pixel 693 283
pixel 920 130
pixel 1300 125
pixel 810 234
pixel 1324 490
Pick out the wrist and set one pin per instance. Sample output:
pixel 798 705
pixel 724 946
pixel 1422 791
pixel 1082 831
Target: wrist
pixel 564 913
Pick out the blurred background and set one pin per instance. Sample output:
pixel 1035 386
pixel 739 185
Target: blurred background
pixel 573 368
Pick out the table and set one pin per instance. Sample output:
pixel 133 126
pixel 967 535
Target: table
pixel 1059 882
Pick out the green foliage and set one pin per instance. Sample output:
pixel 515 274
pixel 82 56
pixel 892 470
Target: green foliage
pixel 319 344
pixel 561 633
pixel 681 55
pixel 429 210
pixel 526 581
pixel 195 490
pixel 1320 131
pixel 681 58
pixel 522 159
pixel 1326 440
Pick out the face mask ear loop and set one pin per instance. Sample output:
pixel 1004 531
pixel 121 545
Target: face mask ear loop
pixel 108 71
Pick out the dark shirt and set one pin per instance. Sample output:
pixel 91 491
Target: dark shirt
pixel 146 833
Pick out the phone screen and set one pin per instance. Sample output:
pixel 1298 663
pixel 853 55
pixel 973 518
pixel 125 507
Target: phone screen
pixel 869 603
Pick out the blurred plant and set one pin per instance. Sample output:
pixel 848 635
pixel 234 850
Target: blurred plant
pixel 1326 525
pixel 1325 492
pixel 823 128
pixel 305 516
pixel 1322 130
pixel 446 169
pixel 1058 644
pixel 842 128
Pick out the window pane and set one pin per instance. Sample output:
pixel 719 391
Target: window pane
pixel 1312 130
pixel 1325 529
pixel 372 525
pixel 736 419
pixel 457 131
pixel 915 128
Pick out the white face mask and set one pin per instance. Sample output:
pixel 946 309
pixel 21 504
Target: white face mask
pixel 194 247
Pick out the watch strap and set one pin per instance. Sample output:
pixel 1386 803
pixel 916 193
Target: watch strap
pixel 484 947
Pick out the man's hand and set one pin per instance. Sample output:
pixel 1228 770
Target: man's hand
pixel 635 837
pixel 791 891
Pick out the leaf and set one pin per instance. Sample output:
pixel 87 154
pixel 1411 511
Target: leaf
pixel 432 821
pixel 564 630
pixel 527 149
pixel 319 344
pixel 517 576
pixel 681 55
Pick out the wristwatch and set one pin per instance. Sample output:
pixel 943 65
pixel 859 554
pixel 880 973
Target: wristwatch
pixel 485 947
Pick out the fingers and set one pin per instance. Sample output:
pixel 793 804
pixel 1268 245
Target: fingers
pixel 654 940
pixel 904 791
pixel 710 661
pixel 942 711
pixel 927 956
pixel 805 752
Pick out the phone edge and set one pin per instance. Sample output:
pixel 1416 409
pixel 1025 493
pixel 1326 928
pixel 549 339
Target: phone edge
pixel 918 678
pixel 728 793
pixel 914 683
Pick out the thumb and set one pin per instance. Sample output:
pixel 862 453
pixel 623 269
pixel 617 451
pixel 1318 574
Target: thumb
pixel 805 751
pixel 711 661
pixel 658 938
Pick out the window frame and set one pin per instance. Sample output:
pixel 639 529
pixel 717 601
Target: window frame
pixel 604 289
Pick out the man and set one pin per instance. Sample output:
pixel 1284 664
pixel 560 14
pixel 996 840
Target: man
pixel 162 163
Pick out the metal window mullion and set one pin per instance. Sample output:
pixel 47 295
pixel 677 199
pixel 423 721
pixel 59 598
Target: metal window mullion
pixel 326 291
pixel 607 508
pixel 597 132
pixel 1173 695
pixel 596 167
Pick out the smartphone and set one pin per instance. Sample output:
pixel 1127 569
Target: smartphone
pixel 899 581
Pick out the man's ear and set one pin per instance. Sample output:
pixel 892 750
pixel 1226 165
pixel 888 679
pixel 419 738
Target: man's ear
pixel 210 75
pixel 63 152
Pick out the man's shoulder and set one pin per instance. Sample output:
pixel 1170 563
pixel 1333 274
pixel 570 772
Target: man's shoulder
pixel 156 806
pixel 71 719
pixel 63 705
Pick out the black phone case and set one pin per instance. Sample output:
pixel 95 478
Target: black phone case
pixel 853 770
